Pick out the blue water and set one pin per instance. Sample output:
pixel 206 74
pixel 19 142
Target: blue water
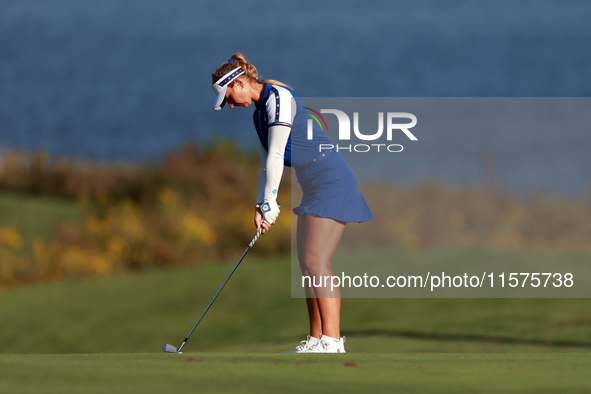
pixel 130 79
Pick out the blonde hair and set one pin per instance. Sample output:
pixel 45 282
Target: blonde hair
pixel 249 70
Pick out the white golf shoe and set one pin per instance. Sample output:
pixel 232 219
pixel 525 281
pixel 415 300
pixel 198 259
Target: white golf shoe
pixel 305 346
pixel 332 345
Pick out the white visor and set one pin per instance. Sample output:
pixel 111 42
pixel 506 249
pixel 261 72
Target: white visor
pixel 221 86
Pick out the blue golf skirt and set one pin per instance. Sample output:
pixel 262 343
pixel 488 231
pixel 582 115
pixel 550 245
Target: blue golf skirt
pixel 330 190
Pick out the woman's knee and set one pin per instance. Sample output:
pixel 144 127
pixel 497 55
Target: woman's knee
pixel 316 266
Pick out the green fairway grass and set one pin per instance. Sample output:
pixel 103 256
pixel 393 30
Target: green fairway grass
pixel 138 313
pixel 295 373
pixel 400 344
pixel 393 345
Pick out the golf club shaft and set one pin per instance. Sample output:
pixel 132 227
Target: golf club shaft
pixel 250 245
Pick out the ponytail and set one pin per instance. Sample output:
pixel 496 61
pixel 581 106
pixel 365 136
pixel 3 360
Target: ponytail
pixel 238 60
pixel 275 82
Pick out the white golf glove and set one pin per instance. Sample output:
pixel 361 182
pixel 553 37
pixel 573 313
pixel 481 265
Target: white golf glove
pixel 270 211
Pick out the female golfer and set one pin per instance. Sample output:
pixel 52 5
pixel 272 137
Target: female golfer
pixel 330 194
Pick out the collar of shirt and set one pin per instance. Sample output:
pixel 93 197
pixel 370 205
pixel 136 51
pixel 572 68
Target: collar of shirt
pixel 262 103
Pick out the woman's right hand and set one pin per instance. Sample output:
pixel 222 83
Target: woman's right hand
pixel 258 218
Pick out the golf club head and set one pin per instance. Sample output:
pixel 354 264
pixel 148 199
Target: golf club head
pixel 170 349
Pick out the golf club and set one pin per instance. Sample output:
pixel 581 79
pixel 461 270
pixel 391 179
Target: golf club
pixel 171 349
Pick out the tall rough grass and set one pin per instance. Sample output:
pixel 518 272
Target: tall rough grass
pixel 439 215
pixel 196 206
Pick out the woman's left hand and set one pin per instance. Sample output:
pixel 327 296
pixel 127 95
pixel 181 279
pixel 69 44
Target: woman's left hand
pixel 258 218
pixel 270 211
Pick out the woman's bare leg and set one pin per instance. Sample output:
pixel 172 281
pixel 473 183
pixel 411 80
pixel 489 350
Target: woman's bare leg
pixel 313 311
pixel 317 243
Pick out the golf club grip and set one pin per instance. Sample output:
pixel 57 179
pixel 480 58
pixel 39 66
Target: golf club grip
pixel 257 235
